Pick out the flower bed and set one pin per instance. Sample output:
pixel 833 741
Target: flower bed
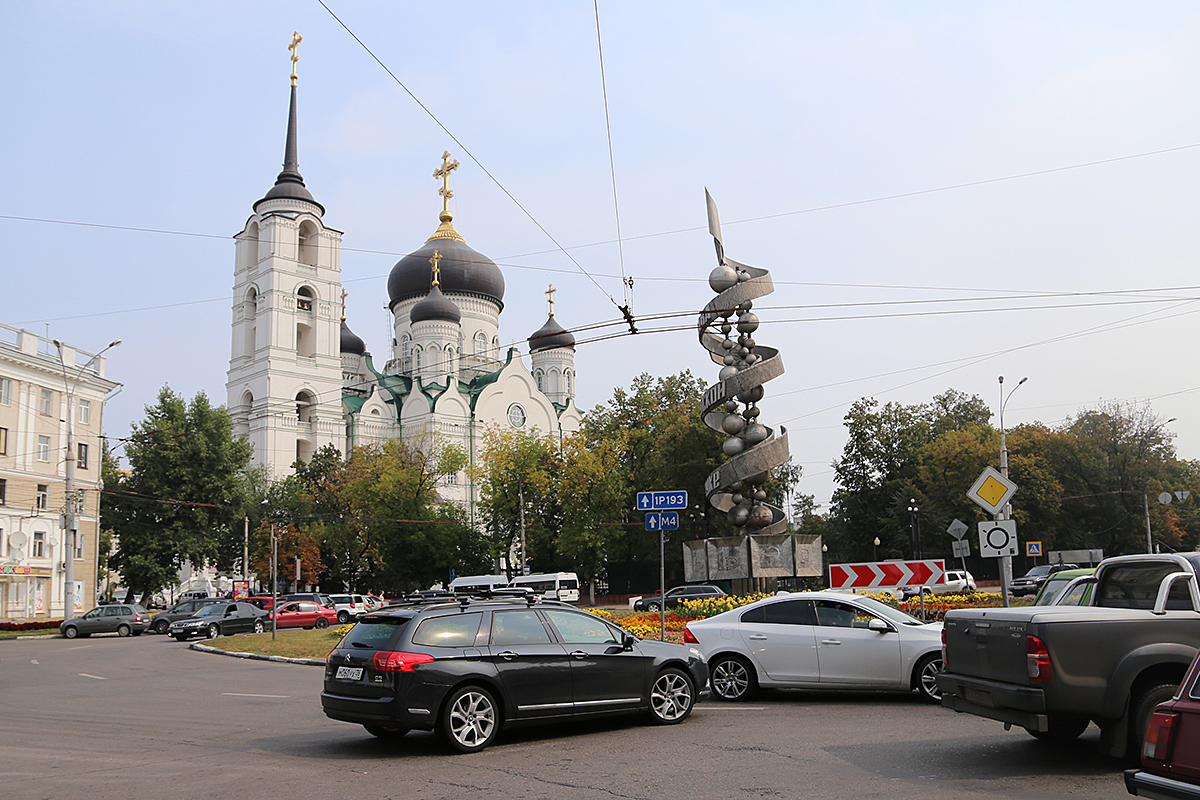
pixel 35 625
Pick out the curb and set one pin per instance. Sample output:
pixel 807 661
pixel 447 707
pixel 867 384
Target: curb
pixel 307 662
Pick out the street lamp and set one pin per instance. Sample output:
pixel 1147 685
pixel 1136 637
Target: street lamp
pixel 914 531
pixel 72 525
pixel 875 550
pixel 1005 561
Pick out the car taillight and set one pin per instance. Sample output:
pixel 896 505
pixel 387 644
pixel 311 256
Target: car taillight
pixel 689 637
pixel 391 661
pixel 1160 736
pixel 1037 659
pixel 945 661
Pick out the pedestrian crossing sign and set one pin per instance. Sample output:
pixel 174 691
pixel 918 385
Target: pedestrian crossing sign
pixel 1033 548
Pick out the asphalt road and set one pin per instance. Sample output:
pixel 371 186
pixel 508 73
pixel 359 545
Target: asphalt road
pixel 147 717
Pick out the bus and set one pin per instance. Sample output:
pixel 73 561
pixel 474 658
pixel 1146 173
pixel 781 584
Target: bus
pixel 562 586
pixel 477 583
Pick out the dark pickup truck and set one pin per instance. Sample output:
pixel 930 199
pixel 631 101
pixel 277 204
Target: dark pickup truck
pixel 1054 669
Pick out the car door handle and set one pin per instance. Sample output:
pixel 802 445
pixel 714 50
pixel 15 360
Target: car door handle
pixel 507 655
pixel 830 641
pixel 578 654
pixel 757 637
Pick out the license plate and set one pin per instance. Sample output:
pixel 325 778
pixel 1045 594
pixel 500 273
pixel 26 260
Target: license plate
pixel 349 673
pixel 977 696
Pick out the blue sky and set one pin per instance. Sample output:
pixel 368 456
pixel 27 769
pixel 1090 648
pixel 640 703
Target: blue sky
pixel 799 117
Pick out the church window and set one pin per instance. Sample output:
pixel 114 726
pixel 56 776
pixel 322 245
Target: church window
pixel 481 344
pixel 304 406
pixel 449 359
pixel 247 400
pixel 308 243
pixel 249 245
pixel 305 340
pixel 567 378
pixel 554 382
pixel 417 359
pixel 250 311
pixel 541 380
pixel 304 298
pixel 375 412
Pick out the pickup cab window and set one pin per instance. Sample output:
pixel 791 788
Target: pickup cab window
pixel 1136 586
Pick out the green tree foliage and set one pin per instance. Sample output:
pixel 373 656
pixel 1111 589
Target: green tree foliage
pixel 174 505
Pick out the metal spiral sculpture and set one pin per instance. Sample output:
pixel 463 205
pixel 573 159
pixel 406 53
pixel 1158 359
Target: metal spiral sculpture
pixel 731 406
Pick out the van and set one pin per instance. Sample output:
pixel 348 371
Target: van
pixel 478 583
pixel 562 586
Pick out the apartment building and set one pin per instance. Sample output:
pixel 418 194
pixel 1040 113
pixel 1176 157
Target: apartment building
pixel 49 392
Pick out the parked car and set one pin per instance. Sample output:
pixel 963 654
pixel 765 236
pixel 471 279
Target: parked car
pixel 317 597
pixel 818 640
pixel 1031 581
pixel 184 609
pixel 956 582
pixel 220 619
pixel 263 602
pixel 348 606
pixel 676 596
pixel 470 667
pixel 1052 591
pixel 303 614
pixel 373 603
pixel 123 619
pixel 1171 749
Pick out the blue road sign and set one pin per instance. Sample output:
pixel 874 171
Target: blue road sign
pixel 1033 548
pixel 669 520
pixel 653 521
pixel 661 501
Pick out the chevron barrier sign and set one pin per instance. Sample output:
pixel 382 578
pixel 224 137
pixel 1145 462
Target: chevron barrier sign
pixel 887 574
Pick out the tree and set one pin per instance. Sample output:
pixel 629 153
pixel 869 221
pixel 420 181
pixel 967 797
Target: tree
pixel 181 494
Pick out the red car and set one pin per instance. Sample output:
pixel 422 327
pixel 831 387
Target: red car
pixel 1171 749
pixel 303 614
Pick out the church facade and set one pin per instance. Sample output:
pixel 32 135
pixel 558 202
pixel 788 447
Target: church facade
pixel 300 379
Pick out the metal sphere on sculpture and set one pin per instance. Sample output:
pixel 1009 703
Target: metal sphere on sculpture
pixel 751 412
pixel 727 372
pixel 747 322
pixel 732 446
pixel 722 278
pixel 754 433
pixel 739 516
pixel 733 424
pixel 752 395
pixel 760 517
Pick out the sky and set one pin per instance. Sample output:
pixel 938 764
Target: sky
pixel 943 192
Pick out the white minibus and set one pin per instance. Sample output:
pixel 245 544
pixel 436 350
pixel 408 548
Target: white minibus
pixel 551 585
pixel 478 583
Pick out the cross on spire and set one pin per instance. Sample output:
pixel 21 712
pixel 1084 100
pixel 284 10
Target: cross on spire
pixel 343 305
pixel 295 48
pixel 443 172
pixel 437 271
pixel 550 293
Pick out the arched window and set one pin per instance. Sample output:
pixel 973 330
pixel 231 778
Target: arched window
pixel 554 382
pixel 417 358
pixel 247 401
pixel 568 379
pixel 496 346
pixel 305 405
pixel 304 298
pixel 250 329
pixel 541 380
pixel 405 353
pixel 308 243
pixel 481 344
pixel 450 367
pixel 249 245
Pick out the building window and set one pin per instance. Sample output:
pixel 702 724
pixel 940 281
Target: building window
pixel 3 441
pixel 3 492
pixel 43 448
pixel 5 391
pixel 47 401
pixel 39 544
pixel 82 460
pixel 85 412
pixel 43 496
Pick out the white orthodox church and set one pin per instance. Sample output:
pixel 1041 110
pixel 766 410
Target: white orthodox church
pixel 299 378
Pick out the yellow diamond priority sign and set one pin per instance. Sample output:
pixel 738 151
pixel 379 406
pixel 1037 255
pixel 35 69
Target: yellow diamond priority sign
pixel 992 490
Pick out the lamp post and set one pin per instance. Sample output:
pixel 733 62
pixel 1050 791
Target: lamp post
pixel 914 531
pixel 72 525
pixel 1146 508
pixel 1005 561
pixel 875 549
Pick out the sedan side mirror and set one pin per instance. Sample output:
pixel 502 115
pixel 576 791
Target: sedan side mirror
pixel 879 626
pixel 627 643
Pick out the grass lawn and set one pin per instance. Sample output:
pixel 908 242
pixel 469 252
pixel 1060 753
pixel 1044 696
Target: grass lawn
pixel 291 643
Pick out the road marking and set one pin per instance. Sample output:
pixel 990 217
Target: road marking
pixel 93 677
pixel 235 694
pixel 732 708
pixel 34 661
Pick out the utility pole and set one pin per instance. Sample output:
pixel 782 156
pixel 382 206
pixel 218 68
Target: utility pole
pixel 246 547
pixel 1005 561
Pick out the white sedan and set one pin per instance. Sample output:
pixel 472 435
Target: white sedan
pixel 818 640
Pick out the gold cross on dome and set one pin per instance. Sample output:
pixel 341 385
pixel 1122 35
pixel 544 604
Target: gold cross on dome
pixel 550 293
pixel 443 172
pixel 343 305
pixel 437 271
pixel 295 48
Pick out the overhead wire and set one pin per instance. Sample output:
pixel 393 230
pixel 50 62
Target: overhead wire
pixel 612 162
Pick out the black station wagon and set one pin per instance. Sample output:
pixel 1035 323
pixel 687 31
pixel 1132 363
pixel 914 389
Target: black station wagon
pixel 469 667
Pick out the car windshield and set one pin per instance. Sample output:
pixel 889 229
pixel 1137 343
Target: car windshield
pixel 210 610
pixel 1038 572
pixel 887 612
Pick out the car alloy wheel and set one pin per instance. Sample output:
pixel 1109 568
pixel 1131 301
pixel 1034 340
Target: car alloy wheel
pixel 123 630
pixel 161 625
pixel 671 697
pixel 258 626
pixel 652 608
pixel 322 623
pixel 469 720
pixel 927 671
pixel 343 617
pixel 731 678
pixel 214 631
pixel 70 632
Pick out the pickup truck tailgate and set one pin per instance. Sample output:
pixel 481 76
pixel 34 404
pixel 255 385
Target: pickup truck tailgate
pixel 985 644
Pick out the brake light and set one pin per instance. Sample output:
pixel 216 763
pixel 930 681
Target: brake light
pixel 1037 659
pixel 945 661
pixel 689 637
pixel 1160 736
pixel 391 661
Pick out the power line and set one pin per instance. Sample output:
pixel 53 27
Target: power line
pixel 612 163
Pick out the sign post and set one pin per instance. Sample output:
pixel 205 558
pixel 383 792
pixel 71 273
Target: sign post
pixel 992 490
pixel 660 517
